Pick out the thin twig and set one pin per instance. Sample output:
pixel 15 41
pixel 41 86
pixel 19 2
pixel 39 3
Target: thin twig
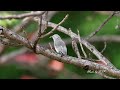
pixel 15 37
pixel 27 38
pixel 85 55
pixel 51 47
pixel 45 17
pixel 101 26
pixel 55 27
pixel 105 45
pixel 105 38
pixel 75 48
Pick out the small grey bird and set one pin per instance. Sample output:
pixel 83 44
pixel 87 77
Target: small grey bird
pixel 59 45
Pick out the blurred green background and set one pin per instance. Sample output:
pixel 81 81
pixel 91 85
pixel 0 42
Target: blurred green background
pixel 86 22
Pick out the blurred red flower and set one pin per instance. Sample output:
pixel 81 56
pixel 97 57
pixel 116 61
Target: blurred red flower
pixel 56 65
pixel 29 58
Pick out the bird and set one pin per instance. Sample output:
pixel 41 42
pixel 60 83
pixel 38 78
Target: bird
pixel 59 45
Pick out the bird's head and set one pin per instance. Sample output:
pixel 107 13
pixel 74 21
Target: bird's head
pixel 55 36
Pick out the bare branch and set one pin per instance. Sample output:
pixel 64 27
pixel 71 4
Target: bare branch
pixel 8 43
pixel 101 26
pixel 105 76
pixel 13 36
pixel 39 33
pixel 75 48
pixel 51 47
pixel 105 45
pixel 51 14
pixel 20 16
pixel 105 38
pixel 85 55
pixel 55 27
pixel 45 17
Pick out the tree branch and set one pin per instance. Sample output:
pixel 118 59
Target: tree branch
pixel 85 55
pixel 105 38
pixel 75 48
pixel 55 27
pixel 20 16
pixel 101 26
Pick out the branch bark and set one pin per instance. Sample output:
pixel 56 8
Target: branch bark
pixel 21 16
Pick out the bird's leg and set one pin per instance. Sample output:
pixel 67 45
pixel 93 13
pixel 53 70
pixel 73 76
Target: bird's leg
pixel 61 54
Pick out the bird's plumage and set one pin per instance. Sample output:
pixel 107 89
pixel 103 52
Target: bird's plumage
pixel 59 44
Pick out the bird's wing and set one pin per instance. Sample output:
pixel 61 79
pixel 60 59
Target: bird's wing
pixel 64 50
pixel 60 47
